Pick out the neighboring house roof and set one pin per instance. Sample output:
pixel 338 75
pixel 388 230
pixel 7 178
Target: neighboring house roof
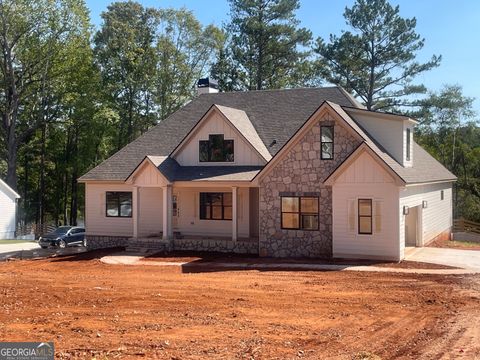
pixel 275 115
pixel 8 190
pixel 268 120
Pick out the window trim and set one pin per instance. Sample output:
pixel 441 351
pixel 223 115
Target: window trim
pixel 211 207
pixel 209 152
pixel 409 143
pixel 300 213
pixel 118 204
pixel 365 216
pixel 327 142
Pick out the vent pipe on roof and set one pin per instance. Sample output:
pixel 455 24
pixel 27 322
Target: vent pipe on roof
pixel 207 86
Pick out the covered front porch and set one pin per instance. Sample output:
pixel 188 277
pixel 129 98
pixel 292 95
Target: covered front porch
pixel 186 212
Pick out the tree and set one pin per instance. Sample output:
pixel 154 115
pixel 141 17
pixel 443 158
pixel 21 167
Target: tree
pixel 124 51
pixel 184 49
pixel 224 70
pixel 449 131
pixel 267 45
pixel 376 61
pixel 32 34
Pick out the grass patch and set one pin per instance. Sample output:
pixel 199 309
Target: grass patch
pixel 462 243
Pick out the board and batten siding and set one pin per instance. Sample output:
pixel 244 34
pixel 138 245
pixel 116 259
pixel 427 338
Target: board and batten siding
pixel 7 215
pixel 96 221
pixel 215 124
pixel 365 179
pixel 437 217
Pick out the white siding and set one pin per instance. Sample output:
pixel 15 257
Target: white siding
pixel 215 124
pixel 7 215
pixel 151 210
pixel 96 222
pixel 389 133
pixel 436 218
pixel 364 178
pixel 189 222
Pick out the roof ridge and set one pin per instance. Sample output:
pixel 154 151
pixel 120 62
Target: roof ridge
pixel 271 90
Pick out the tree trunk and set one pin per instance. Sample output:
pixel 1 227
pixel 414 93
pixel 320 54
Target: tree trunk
pixel 74 189
pixel 41 193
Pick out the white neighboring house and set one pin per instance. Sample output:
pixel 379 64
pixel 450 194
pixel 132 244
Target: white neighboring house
pixel 8 211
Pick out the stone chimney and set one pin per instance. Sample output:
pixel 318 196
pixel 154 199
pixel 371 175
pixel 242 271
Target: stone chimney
pixel 207 86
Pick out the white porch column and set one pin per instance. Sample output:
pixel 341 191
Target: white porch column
pixel 234 213
pixel 167 212
pixel 135 210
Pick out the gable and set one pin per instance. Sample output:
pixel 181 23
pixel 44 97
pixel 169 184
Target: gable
pixel 216 123
pixel 302 153
pixel 364 169
pixel 147 174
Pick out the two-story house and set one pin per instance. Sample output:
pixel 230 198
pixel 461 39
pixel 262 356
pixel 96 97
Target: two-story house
pixel 282 173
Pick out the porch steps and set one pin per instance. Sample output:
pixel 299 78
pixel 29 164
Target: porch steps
pixel 148 245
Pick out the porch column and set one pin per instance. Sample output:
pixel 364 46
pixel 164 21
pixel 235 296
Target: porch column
pixel 234 213
pixel 135 210
pixel 167 212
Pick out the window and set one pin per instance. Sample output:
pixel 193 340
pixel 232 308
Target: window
pixel 77 231
pixel 299 212
pixel 409 135
pixel 216 149
pixel 326 142
pixel 216 206
pixel 119 204
pixel 365 216
pixel 442 195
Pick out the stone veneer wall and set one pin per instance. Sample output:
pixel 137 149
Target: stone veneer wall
pixel 103 242
pixel 217 245
pixel 301 172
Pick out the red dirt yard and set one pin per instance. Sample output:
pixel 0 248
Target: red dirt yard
pixel 93 310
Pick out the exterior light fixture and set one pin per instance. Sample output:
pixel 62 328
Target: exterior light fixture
pixel 406 210
pixel 424 204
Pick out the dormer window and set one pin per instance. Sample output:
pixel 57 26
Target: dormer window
pixel 326 142
pixel 216 149
pixel 409 140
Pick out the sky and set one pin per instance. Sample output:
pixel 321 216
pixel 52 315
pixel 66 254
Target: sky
pixel 450 28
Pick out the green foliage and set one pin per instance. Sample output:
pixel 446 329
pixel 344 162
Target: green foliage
pixel 184 50
pixel 125 52
pixel 448 130
pixel 268 49
pixel 376 60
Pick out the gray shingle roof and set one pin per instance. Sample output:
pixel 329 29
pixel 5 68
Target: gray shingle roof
pixel 174 172
pixel 275 114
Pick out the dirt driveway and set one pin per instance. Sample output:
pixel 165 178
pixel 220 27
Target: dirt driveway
pixel 90 309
